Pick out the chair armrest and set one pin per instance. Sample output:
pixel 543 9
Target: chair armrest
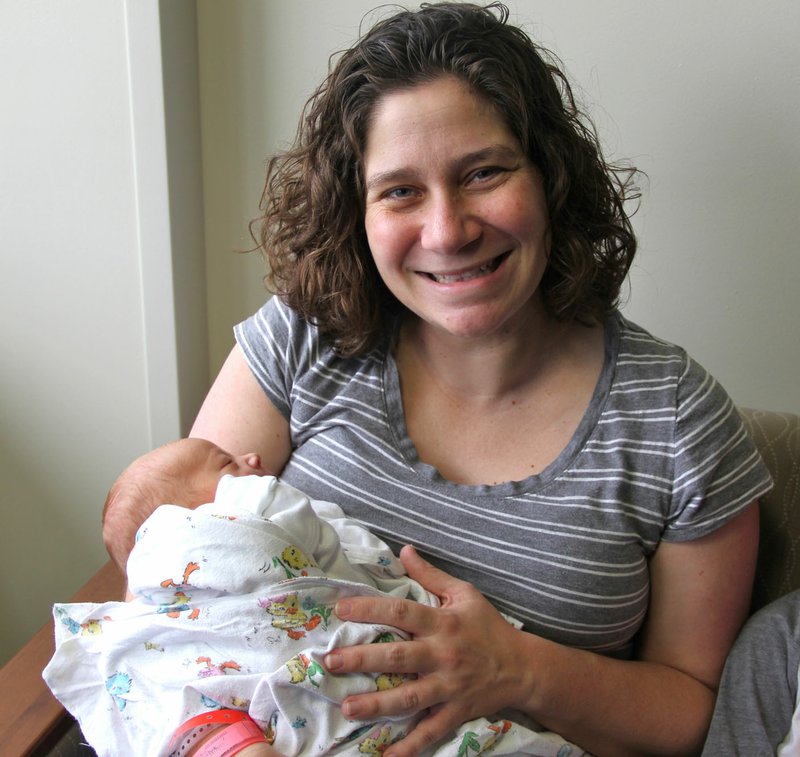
pixel 30 716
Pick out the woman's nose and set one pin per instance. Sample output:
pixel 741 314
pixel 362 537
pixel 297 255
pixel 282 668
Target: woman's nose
pixel 448 226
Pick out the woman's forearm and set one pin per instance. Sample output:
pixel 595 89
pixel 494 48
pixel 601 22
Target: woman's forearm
pixel 610 706
pixel 699 598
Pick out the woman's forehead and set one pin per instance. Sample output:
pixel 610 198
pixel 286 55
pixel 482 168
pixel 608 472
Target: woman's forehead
pixel 416 123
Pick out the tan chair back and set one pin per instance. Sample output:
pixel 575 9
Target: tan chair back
pixel 777 436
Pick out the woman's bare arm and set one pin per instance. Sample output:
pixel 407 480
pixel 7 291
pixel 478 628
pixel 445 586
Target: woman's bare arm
pixel 237 416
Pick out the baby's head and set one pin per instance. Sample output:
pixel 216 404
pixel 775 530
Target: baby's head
pixel 185 472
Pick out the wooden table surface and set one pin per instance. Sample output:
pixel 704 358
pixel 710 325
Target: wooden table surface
pixel 29 714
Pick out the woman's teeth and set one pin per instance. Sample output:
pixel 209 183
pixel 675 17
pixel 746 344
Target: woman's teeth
pixel 486 268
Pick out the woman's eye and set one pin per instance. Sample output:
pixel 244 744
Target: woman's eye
pixel 485 174
pixel 399 193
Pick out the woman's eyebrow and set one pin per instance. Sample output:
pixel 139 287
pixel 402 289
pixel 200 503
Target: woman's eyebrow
pixel 491 152
pixel 388 177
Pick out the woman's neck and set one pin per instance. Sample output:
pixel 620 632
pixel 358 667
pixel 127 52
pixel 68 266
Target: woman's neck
pixel 501 409
pixel 495 367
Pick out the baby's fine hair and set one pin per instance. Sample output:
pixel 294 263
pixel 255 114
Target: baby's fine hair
pixel 162 476
pixel 312 225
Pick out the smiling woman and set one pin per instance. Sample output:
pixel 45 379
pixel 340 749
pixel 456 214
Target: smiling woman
pixel 312 230
pixel 456 217
pixel 444 360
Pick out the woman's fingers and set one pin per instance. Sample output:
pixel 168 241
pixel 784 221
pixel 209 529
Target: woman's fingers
pixel 443 680
pixel 413 617
pixel 387 657
pixel 435 726
pixel 409 616
pixel 442 584
pixel 408 698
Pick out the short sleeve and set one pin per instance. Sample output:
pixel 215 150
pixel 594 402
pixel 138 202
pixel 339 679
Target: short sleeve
pixel 718 471
pixel 269 341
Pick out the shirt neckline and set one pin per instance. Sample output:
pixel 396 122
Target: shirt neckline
pixel 430 476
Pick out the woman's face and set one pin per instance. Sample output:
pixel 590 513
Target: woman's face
pixel 455 212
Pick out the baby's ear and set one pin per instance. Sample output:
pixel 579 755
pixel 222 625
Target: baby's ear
pixel 253 460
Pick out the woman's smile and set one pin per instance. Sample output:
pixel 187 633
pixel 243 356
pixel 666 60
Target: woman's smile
pixel 468 274
pixel 455 213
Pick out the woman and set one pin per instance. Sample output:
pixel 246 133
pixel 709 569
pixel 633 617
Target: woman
pixel 445 361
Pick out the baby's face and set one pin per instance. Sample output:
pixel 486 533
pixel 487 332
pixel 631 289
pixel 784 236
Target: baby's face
pixel 216 463
pixel 241 465
pixel 202 466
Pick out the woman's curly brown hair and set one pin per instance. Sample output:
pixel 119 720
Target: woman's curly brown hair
pixel 312 227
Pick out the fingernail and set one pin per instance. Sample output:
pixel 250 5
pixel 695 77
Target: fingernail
pixel 350 710
pixel 342 608
pixel 333 661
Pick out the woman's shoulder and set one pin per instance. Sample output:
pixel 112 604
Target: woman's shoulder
pixel 656 373
pixel 285 350
pixel 641 352
pixel 276 323
pixel 713 461
pixel 636 340
pixel 643 363
pixel 276 332
pixel 274 316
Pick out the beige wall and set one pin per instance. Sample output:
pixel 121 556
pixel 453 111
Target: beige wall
pixel 72 336
pixel 701 96
pixel 103 332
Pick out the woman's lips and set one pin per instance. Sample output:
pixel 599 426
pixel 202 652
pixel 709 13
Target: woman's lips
pixel 472 273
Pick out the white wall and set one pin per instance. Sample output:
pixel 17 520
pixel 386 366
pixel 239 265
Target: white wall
pixel 90 371
pixel 701 96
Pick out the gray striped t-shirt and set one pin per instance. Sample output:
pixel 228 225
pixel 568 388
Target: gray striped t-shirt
pixel 659 454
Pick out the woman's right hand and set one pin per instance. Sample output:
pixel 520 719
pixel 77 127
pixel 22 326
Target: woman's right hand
pixel 464 655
